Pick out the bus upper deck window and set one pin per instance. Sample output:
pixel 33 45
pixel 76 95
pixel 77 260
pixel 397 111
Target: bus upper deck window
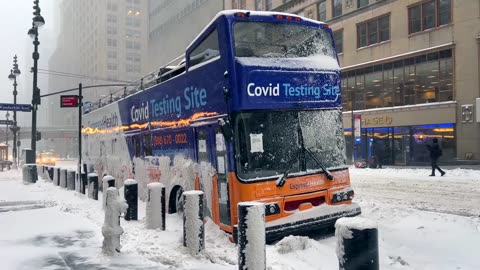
pixel 206 50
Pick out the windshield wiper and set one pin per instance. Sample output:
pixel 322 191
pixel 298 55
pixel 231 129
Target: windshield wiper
pixel 327 172
pixel 300 134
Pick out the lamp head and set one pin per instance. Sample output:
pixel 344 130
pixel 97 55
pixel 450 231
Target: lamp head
pixel 11 76
pixel 38 20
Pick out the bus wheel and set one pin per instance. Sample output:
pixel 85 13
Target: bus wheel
pixel 176 200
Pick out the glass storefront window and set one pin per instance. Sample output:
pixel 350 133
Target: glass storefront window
pixel 360 92
pixel 409 85
pixel 427 82
pixel 403 145
pixel 347 95
pixel 373 88
pixel 414 80
pixel 387 91
pixel 445 85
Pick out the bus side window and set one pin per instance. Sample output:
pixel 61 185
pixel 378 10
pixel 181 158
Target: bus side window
pixel 206 50
pixel 147 145
pixel 136 144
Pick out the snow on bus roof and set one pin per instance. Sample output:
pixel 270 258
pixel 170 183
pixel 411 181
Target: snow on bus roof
pixel 231 12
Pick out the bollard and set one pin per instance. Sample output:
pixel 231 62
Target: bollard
pixel 77 182
pixel 193 227
pixel 50 173
pixel 29 174
pixel 111 229
pixel 93 186
pixel 155 214
pixel 56 176
pixel 357 244
pixel 131 196
pixel 83 182
pixel 251 236
pixel 107 181
pixel 70 180
pixel 63 178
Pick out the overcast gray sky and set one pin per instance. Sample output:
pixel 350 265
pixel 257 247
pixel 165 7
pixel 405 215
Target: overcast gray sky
pixel 16 19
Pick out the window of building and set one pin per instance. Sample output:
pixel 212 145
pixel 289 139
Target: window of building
pixel 336 8
pixel 111 66
pixel 111 18
pixel 258 4
pixel 112 42
pixel 338 37
pixel 129 44
pixel 428 15
pixel 112 54
pixel 135 22
pixel 268 5
pixel 322 11
pixel 373 31
pixel 206 50
pixel 414 80
pixel 111 30
pixel 112 6
pixel 362 3
pixel 133 33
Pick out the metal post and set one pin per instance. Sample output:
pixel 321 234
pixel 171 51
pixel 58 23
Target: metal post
pixel 353 127
pixel 36 95
pixel 6 131
pixel 14 128
pixel 79 129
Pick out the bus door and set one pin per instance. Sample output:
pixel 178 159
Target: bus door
pixel 211 154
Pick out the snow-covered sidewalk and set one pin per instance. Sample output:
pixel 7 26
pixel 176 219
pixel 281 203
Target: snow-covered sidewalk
pixel 420 227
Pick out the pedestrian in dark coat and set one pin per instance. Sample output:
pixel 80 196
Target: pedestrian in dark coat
pixel 435 153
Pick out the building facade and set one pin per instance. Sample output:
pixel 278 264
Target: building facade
pixel 99 42
pixel 410 69
pixel 174 24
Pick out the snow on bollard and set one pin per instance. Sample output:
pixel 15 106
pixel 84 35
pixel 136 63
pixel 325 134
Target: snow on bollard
pixel 251 236
pixel 155 214
pixel 63 178
pixel 357 244
pixel 29 174
pixel 131 196
pixel 70 180
pixel 107 181
pixel 193 226
pixel 111 229
pixel 93 186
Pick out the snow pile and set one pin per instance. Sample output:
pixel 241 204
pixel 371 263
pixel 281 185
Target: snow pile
pixel 129 182
pixel 292 243
pixel 343 230
pixel 317 62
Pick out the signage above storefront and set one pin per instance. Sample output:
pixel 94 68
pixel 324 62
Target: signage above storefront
pixel 380 120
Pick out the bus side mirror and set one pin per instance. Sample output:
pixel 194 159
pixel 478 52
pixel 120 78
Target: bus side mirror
pixel 226 129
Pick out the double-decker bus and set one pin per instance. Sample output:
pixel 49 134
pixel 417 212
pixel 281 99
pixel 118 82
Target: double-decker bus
pixel 253 113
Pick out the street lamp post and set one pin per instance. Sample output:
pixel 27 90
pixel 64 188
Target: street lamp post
pixel 14 73
pixel 37 21
pixel 6 130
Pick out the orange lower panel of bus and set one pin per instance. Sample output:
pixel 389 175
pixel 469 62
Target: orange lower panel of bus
pixel 302 204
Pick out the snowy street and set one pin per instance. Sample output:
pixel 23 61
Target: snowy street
pixel 424 223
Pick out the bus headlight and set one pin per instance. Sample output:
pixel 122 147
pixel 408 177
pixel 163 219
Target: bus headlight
pixel 341 196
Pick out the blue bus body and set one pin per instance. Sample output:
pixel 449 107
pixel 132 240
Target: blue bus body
pixel 170 132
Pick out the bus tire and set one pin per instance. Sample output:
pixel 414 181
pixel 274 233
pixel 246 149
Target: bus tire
pixel 175 202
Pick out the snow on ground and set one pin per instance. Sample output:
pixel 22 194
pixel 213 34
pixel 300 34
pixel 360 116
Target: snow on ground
pixel 424 223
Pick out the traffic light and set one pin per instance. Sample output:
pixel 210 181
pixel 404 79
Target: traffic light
pixel 39 136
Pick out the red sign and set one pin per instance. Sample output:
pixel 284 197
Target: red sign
pixel 69 101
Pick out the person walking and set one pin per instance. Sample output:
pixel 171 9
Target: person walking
pixel 435 153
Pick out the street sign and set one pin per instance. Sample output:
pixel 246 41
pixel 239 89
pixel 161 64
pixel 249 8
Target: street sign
pixel 69 101
pixel 6 122
pixel 15 107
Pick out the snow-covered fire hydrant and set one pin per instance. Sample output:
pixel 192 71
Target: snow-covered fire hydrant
pixel 111 229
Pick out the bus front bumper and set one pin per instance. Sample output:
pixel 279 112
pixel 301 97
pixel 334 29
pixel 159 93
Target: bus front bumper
pixel 310 220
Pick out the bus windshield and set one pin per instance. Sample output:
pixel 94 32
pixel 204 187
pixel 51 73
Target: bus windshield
pixel 271 142
pixel 281 40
